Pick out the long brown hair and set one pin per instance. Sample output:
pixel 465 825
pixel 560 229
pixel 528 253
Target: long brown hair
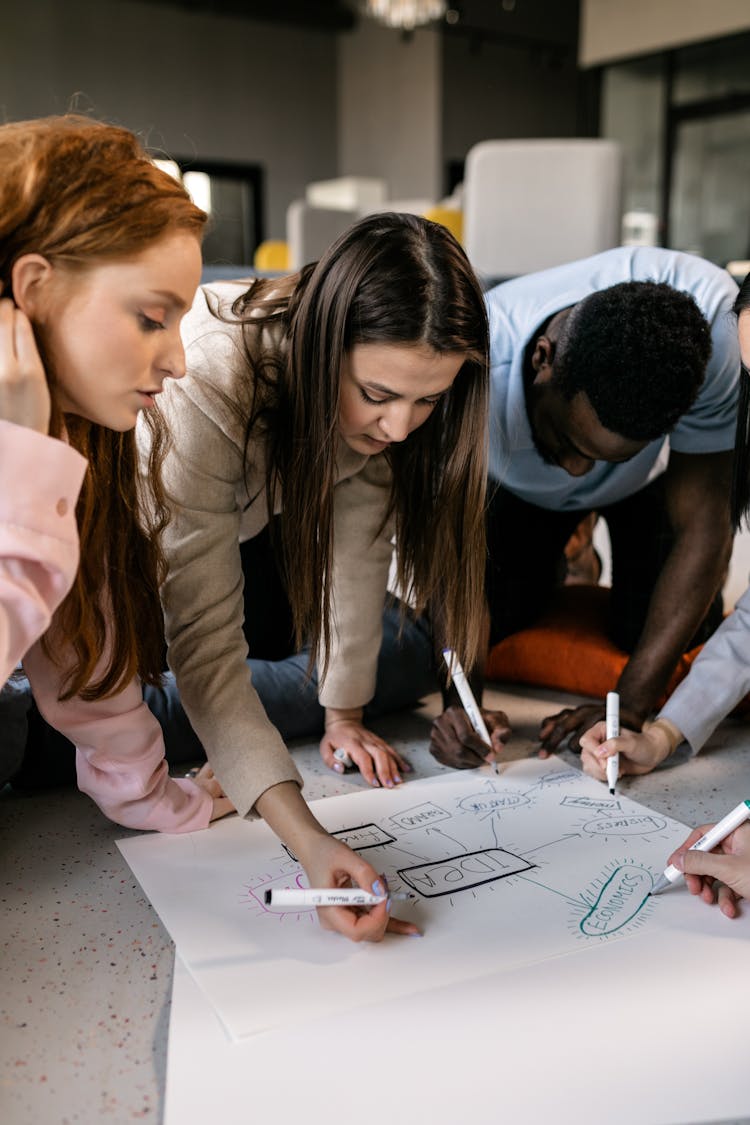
pixel 741 474
pixel 390 279
pixel 80 193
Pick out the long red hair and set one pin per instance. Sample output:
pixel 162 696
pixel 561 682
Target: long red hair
pixel 80 193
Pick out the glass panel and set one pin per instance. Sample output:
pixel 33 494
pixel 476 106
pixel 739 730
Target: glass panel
pixel 709 206
pixel 633 113
pixel 231 237
pixel 712 70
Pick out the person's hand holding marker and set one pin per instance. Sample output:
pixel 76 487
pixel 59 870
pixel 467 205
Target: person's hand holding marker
pixel 729 863
pixel 565 729
pixel 639 752
pixel 379 763
pixel 330 863
pixel 454 742
pixel 467 737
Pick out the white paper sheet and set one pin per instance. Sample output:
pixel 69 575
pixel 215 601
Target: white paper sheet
pixel 508 871
pixel 650 1030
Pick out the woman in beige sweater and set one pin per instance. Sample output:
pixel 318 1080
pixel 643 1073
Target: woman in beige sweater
pixel 349 402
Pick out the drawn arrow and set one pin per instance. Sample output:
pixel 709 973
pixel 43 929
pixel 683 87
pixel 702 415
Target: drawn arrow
pixel 412 855
pixel 567 836
pixel 439 832
pixel 572 901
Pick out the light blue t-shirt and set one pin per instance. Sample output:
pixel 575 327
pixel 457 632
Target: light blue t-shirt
pixel 517 309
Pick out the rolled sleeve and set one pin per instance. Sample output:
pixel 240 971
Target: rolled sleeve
pixel 719 678
pixel 119 755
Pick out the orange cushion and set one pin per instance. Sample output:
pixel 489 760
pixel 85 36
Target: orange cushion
pixel 568 648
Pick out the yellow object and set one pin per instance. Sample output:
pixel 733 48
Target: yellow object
pixel 450 217
pixel 272 255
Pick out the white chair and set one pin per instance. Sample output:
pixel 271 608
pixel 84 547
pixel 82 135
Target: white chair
pixel 348 193
pixel 311 230
pixel 532 204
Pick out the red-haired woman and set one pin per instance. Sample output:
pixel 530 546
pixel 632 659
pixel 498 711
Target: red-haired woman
pixel 100 257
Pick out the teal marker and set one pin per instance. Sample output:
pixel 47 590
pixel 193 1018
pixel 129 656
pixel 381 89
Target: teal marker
pixel 708 841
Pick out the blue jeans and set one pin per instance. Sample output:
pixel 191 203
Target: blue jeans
pixel 405 674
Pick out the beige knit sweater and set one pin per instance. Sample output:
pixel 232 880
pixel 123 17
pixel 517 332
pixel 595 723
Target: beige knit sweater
pixel 203 595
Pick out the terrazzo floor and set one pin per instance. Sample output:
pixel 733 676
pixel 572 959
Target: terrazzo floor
pixel 86 974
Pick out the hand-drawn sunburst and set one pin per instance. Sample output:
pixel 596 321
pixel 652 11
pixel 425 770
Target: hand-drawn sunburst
pixel 255 891
pixel 615 903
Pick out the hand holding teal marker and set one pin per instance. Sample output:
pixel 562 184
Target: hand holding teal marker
pixel 466 695
pixel 709 840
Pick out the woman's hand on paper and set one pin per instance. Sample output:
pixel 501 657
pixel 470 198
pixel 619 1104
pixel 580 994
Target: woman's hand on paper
pixel 378 762
pixel 729 863
pixel 207 779
pixel 455 743
pixel 330 863
pixel 639 752
pixel 24 394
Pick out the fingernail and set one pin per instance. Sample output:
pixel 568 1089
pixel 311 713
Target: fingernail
pixel 378 888
pixel 397 779
pixel 679 862
pixel 388 906
pixel 338 767
pixel 375 783
pixel 389 784
pixel 407 768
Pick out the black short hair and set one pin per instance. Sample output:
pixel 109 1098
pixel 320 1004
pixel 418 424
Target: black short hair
pixel 639 352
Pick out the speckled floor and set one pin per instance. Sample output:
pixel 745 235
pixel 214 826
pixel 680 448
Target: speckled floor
pixel 87 967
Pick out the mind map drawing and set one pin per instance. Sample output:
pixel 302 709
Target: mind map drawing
pixel 614 900
pixel 504 871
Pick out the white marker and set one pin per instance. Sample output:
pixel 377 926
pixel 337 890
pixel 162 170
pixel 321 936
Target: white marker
pixel 708 841
pixel 327 896
pixel 613 731
pixel 466 696
pixel 341 755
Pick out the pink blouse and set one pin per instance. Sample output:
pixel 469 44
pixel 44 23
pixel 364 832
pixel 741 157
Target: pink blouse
pixel 40 479
pixel 119 745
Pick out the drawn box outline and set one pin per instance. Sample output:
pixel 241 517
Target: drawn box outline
pixel 423 804
pixel 628 817
pixel 339 832
pixel 402 872
pixel 605 804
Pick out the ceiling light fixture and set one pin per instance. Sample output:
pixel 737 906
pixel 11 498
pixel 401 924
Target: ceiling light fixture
pixel 406 14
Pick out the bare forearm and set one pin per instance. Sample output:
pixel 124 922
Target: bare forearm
pixel 688 583
pixel 286 812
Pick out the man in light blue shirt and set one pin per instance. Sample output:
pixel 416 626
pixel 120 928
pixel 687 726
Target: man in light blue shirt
pixel 614 386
